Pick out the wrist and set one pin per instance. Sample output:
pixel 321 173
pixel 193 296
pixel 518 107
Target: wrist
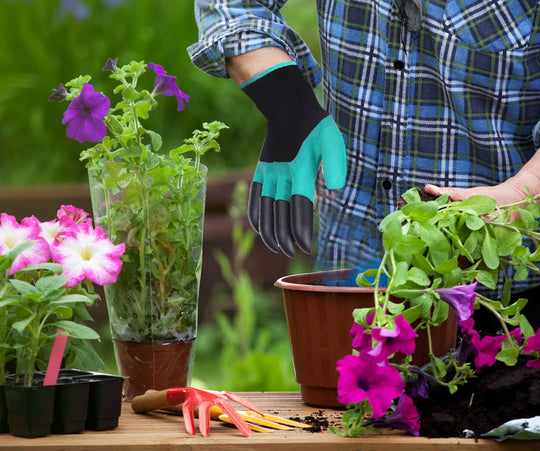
pixel 244 67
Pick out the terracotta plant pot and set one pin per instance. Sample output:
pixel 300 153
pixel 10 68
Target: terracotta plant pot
pixel 154 365
pixel 319 318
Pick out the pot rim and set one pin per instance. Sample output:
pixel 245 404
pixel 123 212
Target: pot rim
pixel 301 282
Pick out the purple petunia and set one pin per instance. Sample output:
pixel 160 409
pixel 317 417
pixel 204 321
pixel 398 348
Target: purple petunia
pixel 404 417
pixel 401 338
pixel 461 299
pixel 483 349
pixel 166 85
pixel 85 114
pixel 363 377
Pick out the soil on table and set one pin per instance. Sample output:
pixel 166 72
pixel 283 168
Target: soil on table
pixel 497 395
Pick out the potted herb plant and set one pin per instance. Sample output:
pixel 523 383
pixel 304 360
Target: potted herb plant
pixel 47 271
pixel 440 256
pixel 154 203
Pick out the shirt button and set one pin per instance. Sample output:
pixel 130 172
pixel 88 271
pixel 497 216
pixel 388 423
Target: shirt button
pixel 399 65
pixel 387 184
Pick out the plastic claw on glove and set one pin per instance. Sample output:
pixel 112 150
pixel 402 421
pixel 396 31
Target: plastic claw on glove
pixel 195 398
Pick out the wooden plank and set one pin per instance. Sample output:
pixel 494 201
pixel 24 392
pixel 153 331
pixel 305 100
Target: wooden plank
pixel 160 431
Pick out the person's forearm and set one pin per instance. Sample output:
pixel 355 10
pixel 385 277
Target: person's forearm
pixel 243 67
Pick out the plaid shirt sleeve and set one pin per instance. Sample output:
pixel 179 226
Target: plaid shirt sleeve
pixel 231 27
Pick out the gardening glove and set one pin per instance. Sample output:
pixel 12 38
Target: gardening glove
pixel 300 135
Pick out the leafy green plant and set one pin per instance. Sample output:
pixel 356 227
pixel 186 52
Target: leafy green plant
pixel 46 275
pixel 152 202
pixel 254 352
pixel 436 254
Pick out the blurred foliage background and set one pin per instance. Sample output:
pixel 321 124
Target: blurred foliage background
pixel 47 42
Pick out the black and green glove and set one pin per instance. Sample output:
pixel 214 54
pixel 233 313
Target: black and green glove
pixel 299 137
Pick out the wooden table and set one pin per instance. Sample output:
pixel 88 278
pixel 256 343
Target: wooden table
pixel 160 431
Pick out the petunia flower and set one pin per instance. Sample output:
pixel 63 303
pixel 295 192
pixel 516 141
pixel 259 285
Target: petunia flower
pixel 68 214
pixel 84 115
pixel 12 234
pixel 166 85
pixel 488 347
pixel 466 350
pixel 362 377
pixel 401 338
pixel 85 252
pixel 533 345
pixel 404 417
pixel 461 299
pixel 421 388
pixel 360 338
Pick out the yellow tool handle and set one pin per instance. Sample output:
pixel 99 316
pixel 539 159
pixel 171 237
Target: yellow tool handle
pixel 151 400
pixel 215 411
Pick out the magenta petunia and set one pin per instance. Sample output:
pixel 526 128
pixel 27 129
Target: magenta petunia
pixel 84 115
pixel 461 299
pixel 533 345
pixel 13 234
pixel 488 347
pixel 360 338
pixel 85 252
pixel 363 377
pixel 166 85
pixel 404 417
pixel 401 338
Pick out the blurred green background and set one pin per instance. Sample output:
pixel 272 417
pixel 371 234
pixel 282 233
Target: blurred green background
pixel 47 42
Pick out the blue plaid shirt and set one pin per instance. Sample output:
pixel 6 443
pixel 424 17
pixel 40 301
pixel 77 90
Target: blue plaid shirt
pixel 453 104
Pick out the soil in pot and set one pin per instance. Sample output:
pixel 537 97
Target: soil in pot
pixel 154 365
pixel 499 394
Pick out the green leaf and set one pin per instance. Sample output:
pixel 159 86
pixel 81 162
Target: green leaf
pixel 481 205
pixel 51 283
pixel 447 266
pixel 409 245
pixel 487 278
pixel 418 277
pixel 156 140
pixel 77 330
pixel 489 252
pixel 360 314
pixel 399 276
pixel 22 324
pixel 474 222
pixel 391 233
pixel 527 219
pixel 411 195
pixel 23 287
pixel 74 299
pixel 508 356
pixel 421 211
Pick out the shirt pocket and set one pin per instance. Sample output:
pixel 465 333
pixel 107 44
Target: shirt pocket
pixel 491 25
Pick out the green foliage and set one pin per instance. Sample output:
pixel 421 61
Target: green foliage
pixel 154 204
pixel 437 244
pixel 34 304
pixel 41 44
pixel 250 351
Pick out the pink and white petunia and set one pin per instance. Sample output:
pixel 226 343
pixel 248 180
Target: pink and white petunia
pixel 13 234
pixel 85 252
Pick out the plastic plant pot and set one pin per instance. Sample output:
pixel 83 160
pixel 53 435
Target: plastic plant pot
pixel 3 412
pixel 30 409
pixel 70 406
pixel 104 401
